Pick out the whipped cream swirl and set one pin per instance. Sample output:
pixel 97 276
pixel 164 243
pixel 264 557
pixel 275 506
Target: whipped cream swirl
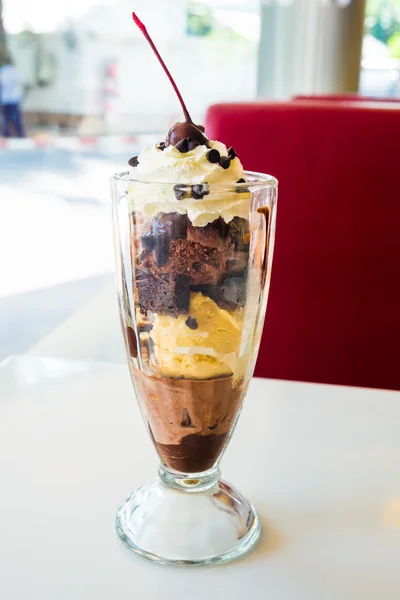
pixel 170 166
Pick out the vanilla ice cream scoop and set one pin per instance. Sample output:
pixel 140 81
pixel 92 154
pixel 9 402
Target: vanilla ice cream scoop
pixel 201 345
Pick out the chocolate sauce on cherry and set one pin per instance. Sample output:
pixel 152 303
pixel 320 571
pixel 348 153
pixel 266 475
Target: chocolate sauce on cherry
pixel 186 130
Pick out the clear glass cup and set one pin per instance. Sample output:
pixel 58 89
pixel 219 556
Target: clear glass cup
pixel 193 266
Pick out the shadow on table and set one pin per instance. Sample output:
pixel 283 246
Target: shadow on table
pixel 27 318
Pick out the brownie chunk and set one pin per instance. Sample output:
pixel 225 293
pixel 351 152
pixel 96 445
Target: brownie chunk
pixel 164 228
pixel 204 265
pixel 165 294
pixel 174 257
pixel 238 264
pixel 239 234
pixel 172 225
pixel 230 294
pixel 213 235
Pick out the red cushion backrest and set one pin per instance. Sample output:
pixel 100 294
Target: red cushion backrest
pixel 334 307
pixel 343 98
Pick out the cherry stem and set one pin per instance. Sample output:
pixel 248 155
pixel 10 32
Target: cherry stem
pixel 164 66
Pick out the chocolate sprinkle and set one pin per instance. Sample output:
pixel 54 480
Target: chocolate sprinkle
pixel 198 191
pixel 180 191
pixel 186 145
pixel 213 156
pixel 191 323
pixel 183 145
pixel 192 144
pixel 133 162
pixel 161 146
pixel 186 420
pixel 242 190
pixel 225 162
pixel 232 153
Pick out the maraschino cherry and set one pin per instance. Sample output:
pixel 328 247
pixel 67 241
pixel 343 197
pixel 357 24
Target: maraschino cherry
pixel 186 135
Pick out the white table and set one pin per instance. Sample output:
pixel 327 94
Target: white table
pixel 320 463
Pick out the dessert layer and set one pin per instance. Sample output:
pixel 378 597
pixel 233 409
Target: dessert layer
pixel 173 257
pixel 204 204
pixel 195 453
pixel 176 408
pixel 200 345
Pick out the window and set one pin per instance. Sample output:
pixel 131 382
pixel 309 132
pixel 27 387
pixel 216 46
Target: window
pixel 380 73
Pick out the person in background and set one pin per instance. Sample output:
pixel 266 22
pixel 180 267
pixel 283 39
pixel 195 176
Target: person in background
pixel 10 99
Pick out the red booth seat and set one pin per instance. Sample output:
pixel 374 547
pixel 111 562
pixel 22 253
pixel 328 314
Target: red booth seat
pixel 344 98
pixel 334 308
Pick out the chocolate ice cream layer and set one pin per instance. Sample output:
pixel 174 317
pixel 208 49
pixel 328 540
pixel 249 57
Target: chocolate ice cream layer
pixel 189 419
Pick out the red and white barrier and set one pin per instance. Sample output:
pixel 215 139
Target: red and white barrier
pixel 80 143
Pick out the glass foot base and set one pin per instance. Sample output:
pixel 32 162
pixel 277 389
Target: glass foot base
pixel 185 528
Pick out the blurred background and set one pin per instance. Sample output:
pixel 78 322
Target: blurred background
pixel 85 69
pixel 93 94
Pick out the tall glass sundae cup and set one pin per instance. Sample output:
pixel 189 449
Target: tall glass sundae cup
pixel 193 271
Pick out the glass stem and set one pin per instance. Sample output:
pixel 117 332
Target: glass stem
pixel 189 482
